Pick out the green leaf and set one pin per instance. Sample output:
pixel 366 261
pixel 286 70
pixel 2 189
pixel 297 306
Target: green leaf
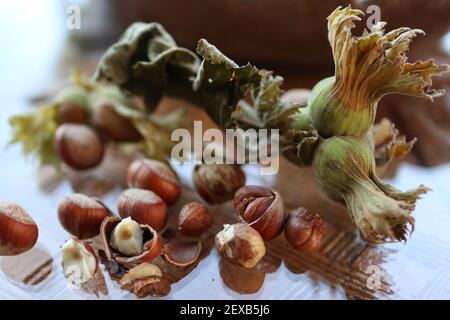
pixel 147 61
pixel 35 132
pixel 221 83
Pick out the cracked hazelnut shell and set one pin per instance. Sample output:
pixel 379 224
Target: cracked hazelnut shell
pixel 143 206
pixel 151 243
pixel 262 208
pixel 304 229
pixel 18 231
pixel 156 176
pixel 81 215
pixel 181 254
pixel 194 219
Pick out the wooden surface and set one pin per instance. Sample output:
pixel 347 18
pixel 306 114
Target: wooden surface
pixel 341 268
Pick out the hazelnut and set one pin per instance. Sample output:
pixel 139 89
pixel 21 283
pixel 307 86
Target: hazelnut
pixel 304 229
pixel 69 112
pixel 217 183
pixel 262 208
pixel 81 215
pixel 241 244
pixel 150 245
pixel 155 176
pixel 18 231
pixel 127 237
pixel 79 261
pixel 194 219
pixel 114 125
pixel 78 146
pixel 144 206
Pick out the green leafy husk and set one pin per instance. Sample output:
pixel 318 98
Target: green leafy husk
pixel 344 167
pixel 35 132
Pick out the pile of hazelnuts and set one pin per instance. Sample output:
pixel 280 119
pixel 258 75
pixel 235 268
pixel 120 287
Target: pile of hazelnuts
pixel 131 240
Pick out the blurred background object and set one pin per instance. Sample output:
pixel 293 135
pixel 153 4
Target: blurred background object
pixel 290 37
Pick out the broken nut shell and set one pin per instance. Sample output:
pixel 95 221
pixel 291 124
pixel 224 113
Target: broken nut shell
pixel 181 254
pixel 151 246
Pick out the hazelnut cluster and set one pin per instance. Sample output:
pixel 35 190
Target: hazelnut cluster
pixel 261 216
pixel 131 242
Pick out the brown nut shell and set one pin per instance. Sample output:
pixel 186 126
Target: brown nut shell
pixel 18 231
pixel 78 146
pixel 81 215
pixel 217 183
pixel 153 286
pixel 262 208
pixel 194 219
pixel 241 244
pixel 69 112
pixel 155 176
pixel 181 254
pixel 152 244
pixel 143 206
pixel 304 229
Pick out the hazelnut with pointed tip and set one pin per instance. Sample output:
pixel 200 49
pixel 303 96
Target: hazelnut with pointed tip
pixel 217 183
pixel 156 176
pixel 304 229
pixel 78 146
pixel 194 219
pixel 81 215
pixel 18 231
pixel 143 206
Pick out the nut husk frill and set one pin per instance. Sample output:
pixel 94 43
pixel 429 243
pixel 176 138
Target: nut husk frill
pixel 304 229
pixel 217 183
pixel 344 168
pixel 367 68
pixel 151 244
pixel 262 208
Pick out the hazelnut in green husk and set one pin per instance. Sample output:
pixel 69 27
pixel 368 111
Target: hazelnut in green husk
pixel 344 168
pixel 72 104
pixel 112 113
pixel 367 68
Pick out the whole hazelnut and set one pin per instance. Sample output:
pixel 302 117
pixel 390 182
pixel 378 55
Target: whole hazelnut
pixel 241 244
pixel 114 125
pixel 78 146
pixel 217 183
pixel 155 176
pixel 18 231
pixel 69 112
pixel 144 206
pixel 194 219
pixel 262 208
pixel 79 261
pixel 81 215
pixel 304 229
